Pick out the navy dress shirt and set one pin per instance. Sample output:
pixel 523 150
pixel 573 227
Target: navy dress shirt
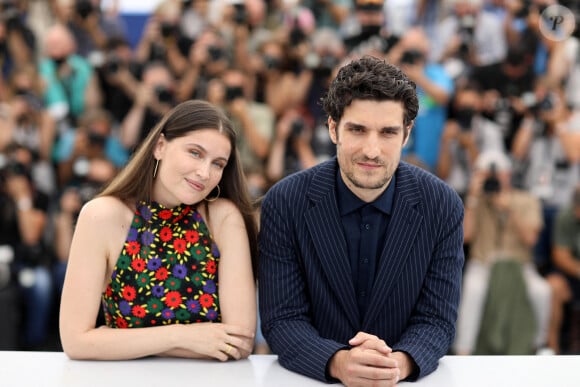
pixel 365 227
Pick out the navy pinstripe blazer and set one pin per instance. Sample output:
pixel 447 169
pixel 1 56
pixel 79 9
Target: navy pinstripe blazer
pixel 307 300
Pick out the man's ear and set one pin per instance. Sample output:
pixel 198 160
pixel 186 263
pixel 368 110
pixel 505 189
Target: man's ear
pixel 332 130
pixel 409 128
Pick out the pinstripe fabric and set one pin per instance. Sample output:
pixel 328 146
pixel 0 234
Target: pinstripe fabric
pixel 307 299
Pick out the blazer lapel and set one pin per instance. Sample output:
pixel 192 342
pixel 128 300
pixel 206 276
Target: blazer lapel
pixel 324 225
pixel 402 231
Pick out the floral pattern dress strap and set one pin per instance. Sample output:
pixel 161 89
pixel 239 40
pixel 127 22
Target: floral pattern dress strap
pixel 166 272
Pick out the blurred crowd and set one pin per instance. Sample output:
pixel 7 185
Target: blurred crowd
pixel 76 98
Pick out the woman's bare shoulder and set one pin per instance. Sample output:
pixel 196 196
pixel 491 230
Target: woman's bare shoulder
pixel 106 209
pixel 223 208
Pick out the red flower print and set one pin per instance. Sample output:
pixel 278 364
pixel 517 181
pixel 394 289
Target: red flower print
pixel 206 300
pixel 138 311
pixel 121 322
pixel 165 234
pixel 129 293
pixel 133 247
pixel 165 214
pixel 179 245
pixel 109 291
pixel 173 299
pixel 210 267
pixel 161 274
pixel 138 264
pixel 192 236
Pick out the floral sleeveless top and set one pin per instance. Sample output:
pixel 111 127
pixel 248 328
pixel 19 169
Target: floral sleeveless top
pixel 166 272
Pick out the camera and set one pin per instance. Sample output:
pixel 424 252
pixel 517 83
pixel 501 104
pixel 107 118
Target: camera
pixel 96 139
pixel 464 116
pixel 296 127
pixel 411 56
pixel 163 94
pixel 466 32
pixel 271 62
pixel 491 184
pixel 32 100
pixel 240 13
pixel 113 64
pixel 84 8
pixel 168 29
pixel 215 53
pixel 536 107
pixel 321 66
pixel 234 92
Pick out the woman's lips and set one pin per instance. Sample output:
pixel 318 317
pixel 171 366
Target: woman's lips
pixel 195 185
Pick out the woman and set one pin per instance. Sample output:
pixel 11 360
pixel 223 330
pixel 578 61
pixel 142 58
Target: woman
pixel 151 248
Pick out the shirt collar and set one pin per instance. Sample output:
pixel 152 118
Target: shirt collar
pixel 349 202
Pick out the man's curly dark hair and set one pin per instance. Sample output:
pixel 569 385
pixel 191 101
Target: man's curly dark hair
pixel 370 78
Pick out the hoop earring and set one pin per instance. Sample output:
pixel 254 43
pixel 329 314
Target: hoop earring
pixel 217 196
pixel 155 170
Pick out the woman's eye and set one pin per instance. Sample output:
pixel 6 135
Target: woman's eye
pixel 195 153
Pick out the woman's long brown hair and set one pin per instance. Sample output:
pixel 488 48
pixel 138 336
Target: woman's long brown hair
pixel 134 182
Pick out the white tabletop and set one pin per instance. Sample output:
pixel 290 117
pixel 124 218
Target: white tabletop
pixel 52 369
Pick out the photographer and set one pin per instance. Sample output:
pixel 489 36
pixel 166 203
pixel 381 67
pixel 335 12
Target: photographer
pixel 17 41
pixel 255 121
pixel 469 37
pixel 434 89
pixel 24 120
pixel 548 167
pixel 23 211
pixel 501 225
pixel 154 96
pixel 119 76
pixel 71 83
pixel 465 134
pixel 90 26
pixel 162 39
pixel 291 150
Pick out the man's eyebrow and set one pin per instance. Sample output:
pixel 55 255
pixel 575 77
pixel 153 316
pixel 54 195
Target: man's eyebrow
pixel 354 125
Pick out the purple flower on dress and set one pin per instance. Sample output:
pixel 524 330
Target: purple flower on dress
pixel 167 314
pixel 193 306
pixel 209 286
pixel 145 212
pixel 211 314
pixel 132 235
pixel 114 274
pixel 147 238
pixel 179 271
pixel 154 264
pixel 158 291
pixel 215 251
pixel 197 216
pixel 124 307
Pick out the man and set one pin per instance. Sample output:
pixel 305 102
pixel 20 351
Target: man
pixel 71 83
pixel 361 255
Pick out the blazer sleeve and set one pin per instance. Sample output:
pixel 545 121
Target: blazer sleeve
pixel 431 328
pixel 283 298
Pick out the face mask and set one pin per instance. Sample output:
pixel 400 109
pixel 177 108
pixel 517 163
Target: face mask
pixel 59 61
